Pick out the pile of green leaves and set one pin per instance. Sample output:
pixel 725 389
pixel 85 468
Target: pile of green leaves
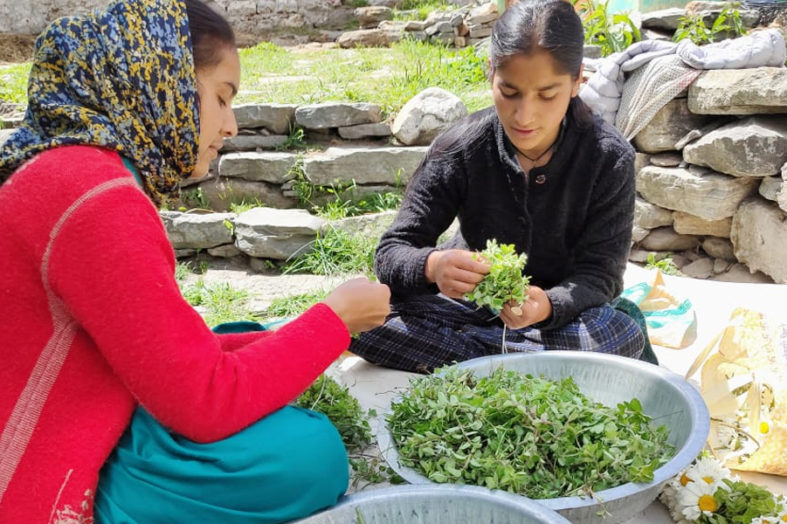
pixel 505 280
pixel 526 435
pixel 742 502
pixel 326 396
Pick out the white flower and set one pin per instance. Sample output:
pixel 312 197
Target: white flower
pixel 696 499
pixel 765 519
pixel 707 470
pixel 763 428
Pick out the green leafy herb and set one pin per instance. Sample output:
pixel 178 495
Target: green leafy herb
pixel 505 280
pixel 740 502
pixel 523 434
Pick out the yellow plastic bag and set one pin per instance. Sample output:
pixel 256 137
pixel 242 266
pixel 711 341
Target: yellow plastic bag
pixel 671 320
pixel 744 384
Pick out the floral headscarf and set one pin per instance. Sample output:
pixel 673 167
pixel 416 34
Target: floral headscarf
pixel 122 78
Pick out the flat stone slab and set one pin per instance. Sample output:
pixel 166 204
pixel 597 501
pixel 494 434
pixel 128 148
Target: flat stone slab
pixel 760 90
pixel 364 165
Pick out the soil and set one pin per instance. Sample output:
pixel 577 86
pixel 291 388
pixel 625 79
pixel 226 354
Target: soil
pixel 16 48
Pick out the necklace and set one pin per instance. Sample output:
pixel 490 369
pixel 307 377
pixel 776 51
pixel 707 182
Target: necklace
pixel 539 157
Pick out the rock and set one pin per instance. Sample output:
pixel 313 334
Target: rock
pixel 668 126
pixel 649 216
pixel 225 251
pixel 370 16
pixel 364 165
pixel 757 228
pixel 479 31
pixel 666 239
pixel 699 192
pixel 666 159
pixel 740 273
pixel 721 266
pixel 640 160
pixel 221 193
pixel 687 224
pixel 276 233
pixel 197 231
pixel 771 187
pixel 440 27
pixel 276 117
pixel 668 19
pixel 639 256
pixel 592 51
pixel 761 90
pixel 372 225
pixel 415 25
pixel 252 142
pixel 336 114
pixel 364 131
pixel 719 248
pixel 272 167
pixel 425 115
pixel 755 146
pixel 710 10
pixel 484 14
pixel 700 268
pixel 638 233
pixel 368 38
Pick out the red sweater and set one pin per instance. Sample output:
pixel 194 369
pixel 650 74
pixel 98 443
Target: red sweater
pixel 93 324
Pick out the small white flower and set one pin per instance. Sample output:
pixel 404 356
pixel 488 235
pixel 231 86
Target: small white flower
pixel 697 499
pixel 765 519
pixel 763 427
pixel 707 470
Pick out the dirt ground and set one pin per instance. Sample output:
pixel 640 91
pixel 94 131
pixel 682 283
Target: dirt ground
pixel 16 48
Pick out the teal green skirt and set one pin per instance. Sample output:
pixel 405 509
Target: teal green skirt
pixel 286 466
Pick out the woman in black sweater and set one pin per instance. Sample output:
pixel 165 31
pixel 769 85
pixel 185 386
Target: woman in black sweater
pixel 537 170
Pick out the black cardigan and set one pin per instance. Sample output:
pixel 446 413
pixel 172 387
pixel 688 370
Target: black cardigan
pixel 573 216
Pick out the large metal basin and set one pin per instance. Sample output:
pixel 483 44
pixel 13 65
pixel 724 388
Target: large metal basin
pixel 609 379
pixel 435 504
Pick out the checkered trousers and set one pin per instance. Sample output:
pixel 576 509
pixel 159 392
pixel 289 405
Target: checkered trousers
pixel 428 331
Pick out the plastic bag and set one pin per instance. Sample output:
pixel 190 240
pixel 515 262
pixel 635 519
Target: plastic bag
pixel 671 320
pixel 744 384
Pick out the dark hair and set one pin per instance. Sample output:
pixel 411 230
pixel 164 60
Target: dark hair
pixel 530 26
pixel 210 34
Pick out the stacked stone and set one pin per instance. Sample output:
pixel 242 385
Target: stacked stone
pixel 460 27
pixel 712 176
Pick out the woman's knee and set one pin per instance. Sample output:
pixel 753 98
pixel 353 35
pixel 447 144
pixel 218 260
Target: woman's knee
pixel 612 331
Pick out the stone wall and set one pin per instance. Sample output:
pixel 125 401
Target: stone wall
pixel 248 17
pixel 712 175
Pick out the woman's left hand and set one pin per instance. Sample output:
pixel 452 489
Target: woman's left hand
pixel 535 309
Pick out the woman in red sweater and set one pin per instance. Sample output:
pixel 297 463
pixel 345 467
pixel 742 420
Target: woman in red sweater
pixel 123 105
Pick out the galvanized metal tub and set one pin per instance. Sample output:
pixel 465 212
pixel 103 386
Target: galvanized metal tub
pixel 435 504
pixel 665 396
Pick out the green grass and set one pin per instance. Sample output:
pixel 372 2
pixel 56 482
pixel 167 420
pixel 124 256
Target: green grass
pixel 374 203
pixel 13 83
pixel 336 252
pixel 294 305
pixel 386 76
pixel 222 302
pixel 420 9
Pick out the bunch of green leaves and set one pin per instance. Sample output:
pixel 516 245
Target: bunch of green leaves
pixel 741 502
pixel 13 83
pixel 665 264
pixel 333 400
pixel 727 25
pixel 526 435
pixel 505 280
pixel 612 32
pixel 335 252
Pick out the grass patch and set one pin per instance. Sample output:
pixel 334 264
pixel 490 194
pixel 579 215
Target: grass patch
pixel 336 252
pixel 665 264
pixel 221 301
pixel 385 76
pixel 13 83
pixel 419 9
pixel 374 203
pixel 294 305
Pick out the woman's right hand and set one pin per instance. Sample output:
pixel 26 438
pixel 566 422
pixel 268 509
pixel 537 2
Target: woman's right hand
pixel 455 271
pixel 360 303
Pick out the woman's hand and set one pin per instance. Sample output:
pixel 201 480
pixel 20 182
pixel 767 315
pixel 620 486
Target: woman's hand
pixel 455 271
pixel 360 303
pixel 536 308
